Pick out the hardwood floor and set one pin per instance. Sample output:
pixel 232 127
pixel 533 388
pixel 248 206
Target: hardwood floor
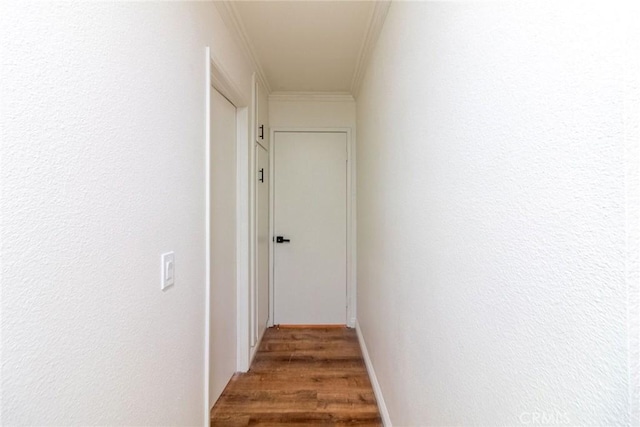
pixel 301 376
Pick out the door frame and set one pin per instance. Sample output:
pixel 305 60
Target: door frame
pixel 351 279
pixel 217 78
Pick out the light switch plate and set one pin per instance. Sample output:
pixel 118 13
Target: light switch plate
pixel 168 270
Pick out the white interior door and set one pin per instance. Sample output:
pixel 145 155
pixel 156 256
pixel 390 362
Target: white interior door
pixel 222 222
pixel 262 243
pixel 310 210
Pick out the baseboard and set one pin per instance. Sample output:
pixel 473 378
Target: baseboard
pixel 312 326
pixel 382 407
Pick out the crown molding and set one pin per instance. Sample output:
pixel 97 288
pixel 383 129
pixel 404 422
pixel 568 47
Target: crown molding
pixel 311 96
pixel 231 17
pixel 378 15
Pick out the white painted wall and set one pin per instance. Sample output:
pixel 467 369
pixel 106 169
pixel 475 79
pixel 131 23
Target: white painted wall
pixel 311 113
pixel 103 169
pixel 497 213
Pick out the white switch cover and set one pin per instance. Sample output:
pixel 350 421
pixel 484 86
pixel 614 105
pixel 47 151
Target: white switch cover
pixel 168 273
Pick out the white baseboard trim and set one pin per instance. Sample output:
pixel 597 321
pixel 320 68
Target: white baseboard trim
pixel 382 407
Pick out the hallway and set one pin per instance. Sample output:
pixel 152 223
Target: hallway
pixel 490 262
pixel 301 376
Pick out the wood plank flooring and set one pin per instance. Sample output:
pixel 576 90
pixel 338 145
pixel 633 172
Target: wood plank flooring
pixel 301 376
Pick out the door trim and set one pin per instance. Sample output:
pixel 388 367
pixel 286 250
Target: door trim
pixel 351 278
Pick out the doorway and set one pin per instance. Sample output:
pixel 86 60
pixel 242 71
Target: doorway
pixel 222 253
pixel 310 195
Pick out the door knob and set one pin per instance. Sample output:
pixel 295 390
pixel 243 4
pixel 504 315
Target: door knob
pixel 281 239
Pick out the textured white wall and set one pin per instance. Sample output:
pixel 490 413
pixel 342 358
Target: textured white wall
pixel 312 114
pixel 496 178
pixel 103 169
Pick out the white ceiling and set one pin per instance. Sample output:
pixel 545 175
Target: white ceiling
pixel 308 46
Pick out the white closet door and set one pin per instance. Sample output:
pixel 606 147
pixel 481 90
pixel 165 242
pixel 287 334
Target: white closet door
pixel 222 342
pixel 310 196
pixel 262 236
